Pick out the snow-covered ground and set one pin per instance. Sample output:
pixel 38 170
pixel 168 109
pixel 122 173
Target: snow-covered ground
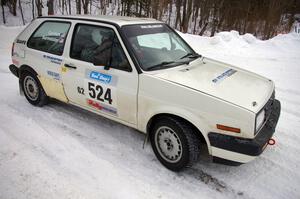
pixel 60 151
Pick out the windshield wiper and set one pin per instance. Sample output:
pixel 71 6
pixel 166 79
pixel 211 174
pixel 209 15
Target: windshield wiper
pixel 191 55
pixel 160 65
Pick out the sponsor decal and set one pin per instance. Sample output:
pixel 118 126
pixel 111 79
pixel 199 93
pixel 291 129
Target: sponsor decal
pixel 63 69
pixel 101 107
pixel 54 75
pixel 100 77
pixel 54 60
pixel 151 26
pixel 224 75
pixel 19 41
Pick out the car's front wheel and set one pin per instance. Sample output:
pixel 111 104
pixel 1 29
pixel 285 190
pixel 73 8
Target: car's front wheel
pixel 33 90
pixel 174 143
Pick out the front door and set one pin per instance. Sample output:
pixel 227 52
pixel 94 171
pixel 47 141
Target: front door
pixel 109 89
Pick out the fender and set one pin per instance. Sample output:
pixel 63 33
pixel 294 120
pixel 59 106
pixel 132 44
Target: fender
pixel 195 120
pixel 53 88
pixel 22 69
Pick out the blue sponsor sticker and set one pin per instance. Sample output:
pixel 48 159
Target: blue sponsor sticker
pixel 100 77
pixel 54 75
pixel 54 60
pixel 224 75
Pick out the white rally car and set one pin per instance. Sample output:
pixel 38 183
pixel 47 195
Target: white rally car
pixel 141 73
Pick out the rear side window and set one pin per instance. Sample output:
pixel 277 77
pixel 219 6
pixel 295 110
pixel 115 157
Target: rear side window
pixel 50 37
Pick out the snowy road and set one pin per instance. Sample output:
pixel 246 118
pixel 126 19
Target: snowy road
pixel 60 151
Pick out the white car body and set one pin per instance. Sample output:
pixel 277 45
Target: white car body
pixel 205 92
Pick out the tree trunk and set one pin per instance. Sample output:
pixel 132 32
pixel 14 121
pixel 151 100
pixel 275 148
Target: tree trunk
pixel 178 14
pixel 63 7
pixel 187 11
pixel 203 29
pixel 85 5
pixel 12 4
pixel 66 7
pixel 32 8
pixel 21 11
pixel 78 7
pixel 50 7
pixel 70 8
pixel 170 12
pixel 3 14
pixel 39 6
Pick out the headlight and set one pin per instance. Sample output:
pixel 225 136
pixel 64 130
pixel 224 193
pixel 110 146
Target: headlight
pixel 259 120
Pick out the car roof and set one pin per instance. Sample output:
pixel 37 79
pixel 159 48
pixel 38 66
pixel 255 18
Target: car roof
pixel 119 20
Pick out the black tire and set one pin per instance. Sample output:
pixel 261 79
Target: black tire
pixel 37 96
pixel 184 136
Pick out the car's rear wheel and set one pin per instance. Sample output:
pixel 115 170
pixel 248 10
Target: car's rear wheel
pixel 33 90
pixel 174 143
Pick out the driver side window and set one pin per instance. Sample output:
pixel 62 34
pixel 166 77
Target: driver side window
pixel 97 44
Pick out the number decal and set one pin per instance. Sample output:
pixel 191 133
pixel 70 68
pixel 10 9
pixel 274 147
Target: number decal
pixel 100 89
pixel 92 91
pixel 97 92
pixel 107 95
pixel 80 90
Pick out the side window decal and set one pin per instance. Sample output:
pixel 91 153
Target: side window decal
pixel 50 37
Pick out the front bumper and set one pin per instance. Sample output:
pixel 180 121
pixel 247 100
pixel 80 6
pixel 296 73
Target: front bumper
pixel 232 150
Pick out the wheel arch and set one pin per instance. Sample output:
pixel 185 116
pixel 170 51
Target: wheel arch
pixel 25 68
pixel 204 139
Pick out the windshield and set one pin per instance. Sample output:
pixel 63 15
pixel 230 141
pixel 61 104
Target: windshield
pixel 157 46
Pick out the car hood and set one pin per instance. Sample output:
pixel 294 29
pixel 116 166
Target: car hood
pixel 223 81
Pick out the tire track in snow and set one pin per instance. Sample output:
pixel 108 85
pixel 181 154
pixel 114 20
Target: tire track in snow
pixel 214 183
pixel 195 174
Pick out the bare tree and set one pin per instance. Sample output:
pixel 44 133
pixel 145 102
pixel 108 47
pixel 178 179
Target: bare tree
pixel 70 8
pixel 32 9
pixel 3 14
pixel 21 11
pixel 264 18
pixel 85 5
pixel 39 6
pixel 12 5
pixel 50 6
pixel 78 6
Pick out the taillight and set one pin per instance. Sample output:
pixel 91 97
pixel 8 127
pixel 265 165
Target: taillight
pixel 12 49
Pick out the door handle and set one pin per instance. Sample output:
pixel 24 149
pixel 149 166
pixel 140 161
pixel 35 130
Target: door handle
pixel 70 66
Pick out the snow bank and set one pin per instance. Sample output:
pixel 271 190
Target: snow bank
pixel 59 151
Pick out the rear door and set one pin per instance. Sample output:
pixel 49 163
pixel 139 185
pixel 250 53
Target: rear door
pixel 112 92
pixel 44 53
